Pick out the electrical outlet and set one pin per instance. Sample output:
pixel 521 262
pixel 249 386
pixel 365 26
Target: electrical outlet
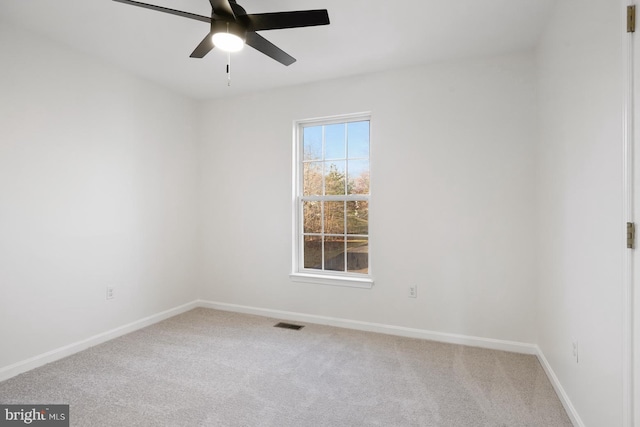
pixel 574 346
pixel 110 292
pixel 413 291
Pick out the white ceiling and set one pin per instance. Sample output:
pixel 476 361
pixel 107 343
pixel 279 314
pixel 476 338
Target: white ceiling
pixel 364 36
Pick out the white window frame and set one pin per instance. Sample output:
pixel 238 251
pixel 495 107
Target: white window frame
pixel 299 273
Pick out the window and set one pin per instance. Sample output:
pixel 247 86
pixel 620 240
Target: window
pixel 331 203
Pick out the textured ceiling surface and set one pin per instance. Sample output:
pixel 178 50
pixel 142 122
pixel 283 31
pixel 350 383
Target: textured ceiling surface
pixel 364 36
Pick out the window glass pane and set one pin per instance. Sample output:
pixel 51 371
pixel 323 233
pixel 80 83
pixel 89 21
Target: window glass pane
pixel 313 252
pixel 334 253
pixel 358 217
pixel 312 217
pixel 358 136
pixel 334 178
pixel 358 176
pixel 358 255
pixel 334 217
pixel 312 137
pixel 312 179
pixel 334 141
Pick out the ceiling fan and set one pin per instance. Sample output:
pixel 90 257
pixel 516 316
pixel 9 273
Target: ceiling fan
pixel 232 27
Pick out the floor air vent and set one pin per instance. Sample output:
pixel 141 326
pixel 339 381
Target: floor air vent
pixel 288 326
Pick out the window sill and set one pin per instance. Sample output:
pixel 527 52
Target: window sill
pixel 353 282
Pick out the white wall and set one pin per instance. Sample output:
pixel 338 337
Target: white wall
pixel 580 204
pixel 453 207
pixel 97 187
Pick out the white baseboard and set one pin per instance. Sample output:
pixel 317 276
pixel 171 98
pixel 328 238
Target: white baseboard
pixel 490 343
pixel 59 353
pixel 562 395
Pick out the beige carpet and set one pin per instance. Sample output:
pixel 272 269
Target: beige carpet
pixel 214 368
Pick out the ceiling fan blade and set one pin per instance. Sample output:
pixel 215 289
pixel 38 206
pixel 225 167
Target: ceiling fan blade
pixel 203 48
pixel 167 10
pixel 258 42
pixel 222 8
pixel 278 20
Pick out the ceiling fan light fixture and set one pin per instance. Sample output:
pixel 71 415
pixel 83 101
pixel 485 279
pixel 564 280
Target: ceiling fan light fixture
pixel 227 42
pixel 228 36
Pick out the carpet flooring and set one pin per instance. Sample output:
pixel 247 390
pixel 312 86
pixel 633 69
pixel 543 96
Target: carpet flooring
pixel 215 368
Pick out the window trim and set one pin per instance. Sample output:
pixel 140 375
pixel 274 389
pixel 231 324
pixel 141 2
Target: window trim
pixel 323 276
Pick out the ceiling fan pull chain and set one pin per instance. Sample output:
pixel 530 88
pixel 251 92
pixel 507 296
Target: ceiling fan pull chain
pixel 228 69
